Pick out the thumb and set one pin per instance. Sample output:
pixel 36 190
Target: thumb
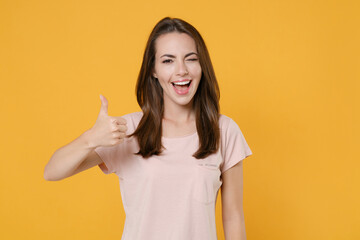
pixel 104 106
pixel 120 120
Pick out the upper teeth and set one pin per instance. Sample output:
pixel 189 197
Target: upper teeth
pixel 181 83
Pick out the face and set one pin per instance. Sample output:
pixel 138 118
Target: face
pixel 177 68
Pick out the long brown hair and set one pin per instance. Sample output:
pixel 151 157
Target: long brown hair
pixel 150 96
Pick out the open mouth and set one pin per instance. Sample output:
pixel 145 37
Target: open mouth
pixel 182 85
pixel 182 88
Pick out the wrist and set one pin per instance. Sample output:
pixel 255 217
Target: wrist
pixel 87 138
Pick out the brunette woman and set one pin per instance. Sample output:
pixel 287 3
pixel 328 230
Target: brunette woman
pixel 173 156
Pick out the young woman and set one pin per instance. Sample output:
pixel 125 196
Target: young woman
pixel 178 151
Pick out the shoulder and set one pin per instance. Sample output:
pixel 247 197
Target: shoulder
pixel 233 142
pixel 225 122
pixel 229 129
pixel 132 120
pixel 133 116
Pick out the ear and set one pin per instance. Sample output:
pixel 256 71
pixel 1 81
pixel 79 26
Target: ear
pixel 154 75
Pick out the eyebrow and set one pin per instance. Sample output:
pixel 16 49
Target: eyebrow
pixel 172 56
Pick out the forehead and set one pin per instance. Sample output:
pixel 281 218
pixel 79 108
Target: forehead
pixel 172 43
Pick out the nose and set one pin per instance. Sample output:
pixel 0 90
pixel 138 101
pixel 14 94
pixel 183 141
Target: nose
pixel 181 69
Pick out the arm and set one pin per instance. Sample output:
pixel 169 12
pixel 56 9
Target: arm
pixel 71 159
pixel 232 203
pixel 79 155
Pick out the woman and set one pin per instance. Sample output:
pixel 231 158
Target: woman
pixel 179 151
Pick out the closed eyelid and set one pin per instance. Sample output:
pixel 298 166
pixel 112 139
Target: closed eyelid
pixel 172 56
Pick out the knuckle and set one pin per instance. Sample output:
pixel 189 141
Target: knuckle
pixel 112 120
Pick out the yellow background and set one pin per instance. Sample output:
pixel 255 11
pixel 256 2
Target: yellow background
pixel 288 73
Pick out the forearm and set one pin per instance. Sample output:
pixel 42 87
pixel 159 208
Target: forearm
pixel 66 159
pixel 235 229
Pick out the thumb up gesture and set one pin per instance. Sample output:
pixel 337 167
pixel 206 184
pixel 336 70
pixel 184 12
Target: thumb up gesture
pixel 107 130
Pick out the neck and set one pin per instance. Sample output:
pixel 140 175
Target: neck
pixel 177 113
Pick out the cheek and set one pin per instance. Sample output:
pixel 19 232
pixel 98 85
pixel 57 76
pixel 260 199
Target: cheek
pixel 164 73
pixel 164 78
pixel 198 73
pixel 196 70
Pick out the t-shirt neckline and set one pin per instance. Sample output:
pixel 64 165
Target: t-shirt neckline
pixel 182 137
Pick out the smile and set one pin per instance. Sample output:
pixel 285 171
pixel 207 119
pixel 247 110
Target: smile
pixel 181 88
pixel 187 83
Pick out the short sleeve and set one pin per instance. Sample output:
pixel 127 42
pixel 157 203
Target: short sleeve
pixel 113 155
pixel 108 155
pixel 235 146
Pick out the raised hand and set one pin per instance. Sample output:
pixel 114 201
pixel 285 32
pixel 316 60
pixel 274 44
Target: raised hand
pixel 107 130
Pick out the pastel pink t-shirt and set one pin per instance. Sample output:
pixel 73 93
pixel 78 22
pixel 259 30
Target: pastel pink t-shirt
pixel 172 196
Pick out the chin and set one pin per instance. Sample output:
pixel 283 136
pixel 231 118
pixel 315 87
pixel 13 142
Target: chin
pixel 185 102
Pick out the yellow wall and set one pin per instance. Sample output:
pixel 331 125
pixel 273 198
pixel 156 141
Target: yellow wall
pixel 289 76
